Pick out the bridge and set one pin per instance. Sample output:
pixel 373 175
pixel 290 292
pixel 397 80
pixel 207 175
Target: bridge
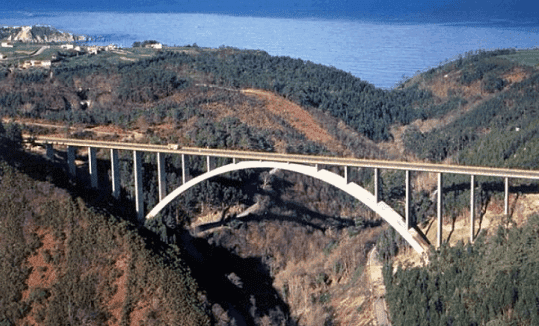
pixel 310 165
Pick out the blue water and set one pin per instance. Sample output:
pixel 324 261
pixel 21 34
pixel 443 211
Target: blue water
pixel 380 52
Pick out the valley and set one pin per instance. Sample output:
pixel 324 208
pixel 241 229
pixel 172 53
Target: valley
pixel 304 257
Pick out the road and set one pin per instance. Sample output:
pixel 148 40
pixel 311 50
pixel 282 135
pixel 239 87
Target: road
pixel 378 289
pixel 41 50
pixel 294 158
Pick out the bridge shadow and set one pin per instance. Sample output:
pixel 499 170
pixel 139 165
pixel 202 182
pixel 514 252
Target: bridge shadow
pixel 242 286
pixel 299 215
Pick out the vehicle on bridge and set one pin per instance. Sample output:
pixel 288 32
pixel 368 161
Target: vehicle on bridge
pixel 173 146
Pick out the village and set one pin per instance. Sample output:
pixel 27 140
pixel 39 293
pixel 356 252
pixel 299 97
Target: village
pixel 23 55
pixel 38 47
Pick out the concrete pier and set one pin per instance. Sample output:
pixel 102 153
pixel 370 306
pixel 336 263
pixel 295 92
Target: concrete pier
pixel 71 167
pixel 440 210
pixel 92 166
pixel 377 184
pixel 184 171
pixel 139 198
pixel 161 176
pixel 347 174
pixel 115 171
pixel 49 152
pixel 472 207
pixel 506 197
pixel 407 208
pixel 209 166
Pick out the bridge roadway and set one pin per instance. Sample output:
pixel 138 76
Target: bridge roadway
pixel 294 158
pixel 305 164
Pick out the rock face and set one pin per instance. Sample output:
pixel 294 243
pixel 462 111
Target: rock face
pixel 40 34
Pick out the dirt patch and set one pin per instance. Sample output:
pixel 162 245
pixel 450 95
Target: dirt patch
pixel 297 117
pixel 138 314
pixel 516 75
pixel 116 303
pixel 43 273
pixel 108 130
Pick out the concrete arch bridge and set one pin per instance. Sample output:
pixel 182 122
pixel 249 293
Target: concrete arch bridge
pixel 309 165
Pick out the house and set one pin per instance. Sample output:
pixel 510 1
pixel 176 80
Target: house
pixel 36 63
pixel 93 50
pixel 6 44
pixel 2 56
pixel 154 45
pixel 111 47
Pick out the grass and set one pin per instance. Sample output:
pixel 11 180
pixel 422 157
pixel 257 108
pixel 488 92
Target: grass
pixel 525 57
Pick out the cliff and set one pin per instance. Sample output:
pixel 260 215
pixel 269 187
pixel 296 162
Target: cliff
pixel 38 34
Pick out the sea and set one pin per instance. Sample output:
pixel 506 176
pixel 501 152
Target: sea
pixel 383 53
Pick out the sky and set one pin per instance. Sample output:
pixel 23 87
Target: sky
pixel 382 9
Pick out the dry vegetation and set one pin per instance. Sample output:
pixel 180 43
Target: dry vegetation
pixel 73 266
pixel 319 274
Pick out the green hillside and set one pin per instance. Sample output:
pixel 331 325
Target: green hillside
pixel 487 115
pixel 303 252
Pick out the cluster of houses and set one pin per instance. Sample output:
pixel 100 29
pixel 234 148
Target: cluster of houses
pixel 71 48
pixel 94 49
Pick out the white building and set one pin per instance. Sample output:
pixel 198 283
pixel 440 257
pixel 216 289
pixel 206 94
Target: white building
pixel 6 44
pixel 36 63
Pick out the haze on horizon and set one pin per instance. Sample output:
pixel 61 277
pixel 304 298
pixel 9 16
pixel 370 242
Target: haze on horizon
pixel 499 11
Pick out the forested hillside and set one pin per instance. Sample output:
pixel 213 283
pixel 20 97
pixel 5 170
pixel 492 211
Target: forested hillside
pixel 65 263
pixel 299 256
pixel 492 282
pixel 484 112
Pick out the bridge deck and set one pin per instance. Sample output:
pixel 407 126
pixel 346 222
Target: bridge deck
pixel 294 158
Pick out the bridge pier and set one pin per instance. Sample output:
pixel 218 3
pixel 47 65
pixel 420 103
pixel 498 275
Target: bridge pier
pixel 347 174
pixel 377 184
pixel 209 165
pixel 472 207
pixel 71 167
pixel 161 176
pixel 49 152
pixel 440 209
pixel 407 209
pixel 139 203
pixel 115 173
pixel 92 166
pixel 506 197
pixel 184 171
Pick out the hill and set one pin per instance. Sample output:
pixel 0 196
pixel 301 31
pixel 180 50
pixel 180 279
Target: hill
pixel 65 263
pixel 37 34
pixel 299 257
pixel 174 98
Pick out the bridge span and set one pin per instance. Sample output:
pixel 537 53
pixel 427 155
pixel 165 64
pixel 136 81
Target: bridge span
pixel 310 165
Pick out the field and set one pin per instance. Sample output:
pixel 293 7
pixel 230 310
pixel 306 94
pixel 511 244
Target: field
pixel 26 51
pixel 525 57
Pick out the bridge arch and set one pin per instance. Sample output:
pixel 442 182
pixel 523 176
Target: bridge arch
pixel 353 189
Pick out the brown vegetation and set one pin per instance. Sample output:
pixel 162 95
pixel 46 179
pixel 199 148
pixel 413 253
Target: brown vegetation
pixel 297 117
pixel 79 267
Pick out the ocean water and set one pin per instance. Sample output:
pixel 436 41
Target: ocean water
pixel 380 52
